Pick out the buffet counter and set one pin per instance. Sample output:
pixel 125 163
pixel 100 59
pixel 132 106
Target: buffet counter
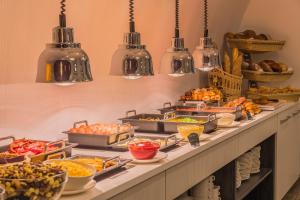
pixel 186 166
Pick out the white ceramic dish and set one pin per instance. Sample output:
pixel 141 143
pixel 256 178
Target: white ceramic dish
pixel 232 125
pixel 85 188
pixel 159 156
pixel 74 182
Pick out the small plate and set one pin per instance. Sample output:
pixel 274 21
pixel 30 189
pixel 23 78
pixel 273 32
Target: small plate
pixel 234 124
pixel 159 156
pixel 85 188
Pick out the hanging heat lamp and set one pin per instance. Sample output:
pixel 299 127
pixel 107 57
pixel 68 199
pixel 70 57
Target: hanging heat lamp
pixel 206 55
pixel 63 61
pixel 132 60
pixel 177 61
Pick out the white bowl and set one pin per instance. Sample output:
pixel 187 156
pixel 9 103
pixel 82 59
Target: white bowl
pixel 77 182
pixel 225 119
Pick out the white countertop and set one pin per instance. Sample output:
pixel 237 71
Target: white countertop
pixel 118 183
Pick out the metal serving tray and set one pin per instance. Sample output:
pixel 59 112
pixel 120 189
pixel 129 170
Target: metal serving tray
pixel 106 170
pixel 198 110
pixel 168 140
pixel 94 140
pixel 167 108
pixel 64 150
pixel 237 111
pixel 146 125
pixel 210 123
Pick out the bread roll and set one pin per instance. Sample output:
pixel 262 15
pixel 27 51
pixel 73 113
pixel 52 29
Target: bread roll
pixel 265 66
pixel 255 67
pixel 276 67
pixel 284 67
pixel 249 33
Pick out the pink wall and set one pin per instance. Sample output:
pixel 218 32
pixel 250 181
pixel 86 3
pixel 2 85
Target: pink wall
pixel 280 19
pixel 43 110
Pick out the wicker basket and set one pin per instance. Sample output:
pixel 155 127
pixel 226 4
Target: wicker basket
pixel 266 76
pixel 231 84
pixel 255 46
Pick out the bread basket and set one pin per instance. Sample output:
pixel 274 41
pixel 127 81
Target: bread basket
pixel 231 84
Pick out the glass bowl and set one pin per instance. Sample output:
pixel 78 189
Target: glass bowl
pixel 186 130
pixel 48 186
pixel 143 150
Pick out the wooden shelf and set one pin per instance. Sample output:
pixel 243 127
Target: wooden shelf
pixel 248 185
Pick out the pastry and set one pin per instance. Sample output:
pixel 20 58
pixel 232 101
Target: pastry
pixel 249 33
pixel 284 67
pixel 274 65
pixel 255 67
pixel 265 66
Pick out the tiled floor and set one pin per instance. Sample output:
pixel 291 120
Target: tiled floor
pixel 294 193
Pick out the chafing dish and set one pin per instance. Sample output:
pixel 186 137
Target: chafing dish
pixel 201 110
pixel 64 149
pixel 144 123
pixel 97 140
pixel 109 165
pixel 209 123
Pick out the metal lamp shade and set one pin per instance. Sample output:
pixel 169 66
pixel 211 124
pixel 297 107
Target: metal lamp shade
pixel 63 61
pixel 177 63
pixel 206 55
pixel 131 60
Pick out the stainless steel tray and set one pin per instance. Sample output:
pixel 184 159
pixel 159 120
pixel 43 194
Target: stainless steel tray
pixel 145 125
pixel 168 141
pixel 167 108
pixel 64 150
pixel 237 111
pixel 210 123
pixel 197 110
pixel 106 170
pixel 94 140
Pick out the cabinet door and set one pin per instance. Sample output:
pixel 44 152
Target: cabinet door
pixel 153 188
pixel 287 153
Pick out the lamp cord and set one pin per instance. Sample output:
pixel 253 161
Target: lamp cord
pixel 205 18
pixel 62 16
pixel 131 16
pixel 177 19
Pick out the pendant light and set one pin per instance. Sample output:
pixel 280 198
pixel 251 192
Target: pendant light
pixel 63 61
pixel 177 61
pixel 132 60
pixel 206 55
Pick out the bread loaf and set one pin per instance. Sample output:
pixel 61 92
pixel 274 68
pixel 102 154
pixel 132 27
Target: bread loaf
pixel 237 60
pixel 227 63
pixel 265 66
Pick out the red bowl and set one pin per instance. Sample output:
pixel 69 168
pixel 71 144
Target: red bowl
pixel 143 150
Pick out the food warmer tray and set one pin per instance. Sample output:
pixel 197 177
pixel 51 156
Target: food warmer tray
pixel 201 111
pixel 210 123
pixel 179 109
pixel 64 150
pixel 237 111
pixel 94 140
pixel 168 140
pixel 106 170
pixel 155 126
